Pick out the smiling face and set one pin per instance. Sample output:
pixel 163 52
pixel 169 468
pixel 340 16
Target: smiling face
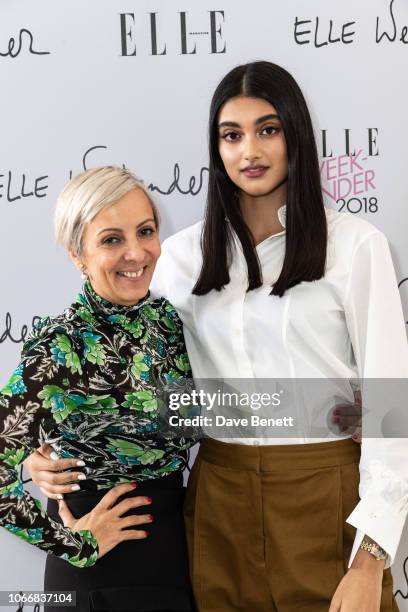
pixel 120 248
pixel 252 146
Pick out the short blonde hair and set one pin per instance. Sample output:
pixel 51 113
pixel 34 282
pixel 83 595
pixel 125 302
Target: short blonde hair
pixel 86 195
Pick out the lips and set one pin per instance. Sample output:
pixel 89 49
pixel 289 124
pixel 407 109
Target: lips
pixel 254 171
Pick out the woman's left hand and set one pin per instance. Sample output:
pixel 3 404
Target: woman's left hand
pixel 360 589
pixel 348 417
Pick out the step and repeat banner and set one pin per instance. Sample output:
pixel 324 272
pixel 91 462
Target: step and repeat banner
pixel 129 82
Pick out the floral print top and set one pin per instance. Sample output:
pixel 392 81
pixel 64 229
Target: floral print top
pixel 89 384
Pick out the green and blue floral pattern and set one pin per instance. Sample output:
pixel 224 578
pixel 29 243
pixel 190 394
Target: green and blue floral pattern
pixel 89 383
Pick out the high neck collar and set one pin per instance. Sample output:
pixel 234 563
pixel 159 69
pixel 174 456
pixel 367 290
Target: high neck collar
pixel 99 306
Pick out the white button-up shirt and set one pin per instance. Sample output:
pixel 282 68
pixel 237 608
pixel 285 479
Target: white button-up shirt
pixel 347 325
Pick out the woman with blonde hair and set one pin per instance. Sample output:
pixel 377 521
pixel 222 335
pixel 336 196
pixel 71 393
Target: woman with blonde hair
pixel 88 384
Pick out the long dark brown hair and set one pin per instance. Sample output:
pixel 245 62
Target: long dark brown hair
pixel 306 228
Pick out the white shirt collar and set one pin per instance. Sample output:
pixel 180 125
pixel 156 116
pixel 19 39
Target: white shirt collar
pixel 282 215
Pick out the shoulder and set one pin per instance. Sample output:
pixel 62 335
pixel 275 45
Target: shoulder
pixel 48 329
pixel 188 238
pixel 161 317
pixel 348 232
pixel 157 308
pixel 178 265
pixel 354 244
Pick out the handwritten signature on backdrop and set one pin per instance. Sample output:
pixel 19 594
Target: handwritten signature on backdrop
pixel 320 34
pixel 193 187
pixel 15 187
pixel 23 42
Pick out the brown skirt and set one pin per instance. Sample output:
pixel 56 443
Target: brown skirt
pixel 266 526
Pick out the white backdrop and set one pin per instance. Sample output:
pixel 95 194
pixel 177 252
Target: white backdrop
pixel 129 82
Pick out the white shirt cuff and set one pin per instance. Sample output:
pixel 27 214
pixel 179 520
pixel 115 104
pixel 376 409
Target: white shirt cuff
pixel 381 521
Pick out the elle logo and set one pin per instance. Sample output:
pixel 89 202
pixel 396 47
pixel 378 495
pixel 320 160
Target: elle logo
pixel 372 146
pixel 157 45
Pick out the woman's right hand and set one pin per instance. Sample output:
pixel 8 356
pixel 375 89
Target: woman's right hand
pixel 48 474
pixel 106 520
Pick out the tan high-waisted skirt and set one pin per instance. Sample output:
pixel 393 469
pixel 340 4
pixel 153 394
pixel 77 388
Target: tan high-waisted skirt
pixel 266 526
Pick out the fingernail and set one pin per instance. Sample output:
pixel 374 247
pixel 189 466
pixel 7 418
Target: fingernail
pixel 59 503
pixel 133 484
pixel 54 456
pixel 75 487
pixel 151 518
pixel 81 477
pixel 149 500
pixel 80 463
pixel 146 534
pixel 59 497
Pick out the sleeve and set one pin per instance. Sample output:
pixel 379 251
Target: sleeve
pixel 178 376
pixel 42 391
pixel 376 326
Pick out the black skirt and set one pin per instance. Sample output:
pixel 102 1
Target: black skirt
pixel 137 575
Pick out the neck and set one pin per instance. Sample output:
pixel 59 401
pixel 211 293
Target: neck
pixel 260 213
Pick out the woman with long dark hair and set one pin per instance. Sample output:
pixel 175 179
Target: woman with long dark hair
pixel 274 287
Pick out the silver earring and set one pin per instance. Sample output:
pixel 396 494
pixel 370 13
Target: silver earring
pixel 84 275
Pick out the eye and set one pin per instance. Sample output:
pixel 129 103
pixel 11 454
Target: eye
pixel 147 232
pixel 230 136
pixel 269 130
pixel 109 240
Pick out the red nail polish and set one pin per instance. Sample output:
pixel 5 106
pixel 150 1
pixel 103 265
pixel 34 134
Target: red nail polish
pixel 133 484
pixel 149 499
pixel 151 517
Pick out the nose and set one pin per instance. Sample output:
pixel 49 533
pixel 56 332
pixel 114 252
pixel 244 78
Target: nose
pixel 134 251
pixel 251 151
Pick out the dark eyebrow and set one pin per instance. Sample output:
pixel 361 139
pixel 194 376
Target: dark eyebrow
pixel 266 118
pixel 118 229
pixel 233 124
